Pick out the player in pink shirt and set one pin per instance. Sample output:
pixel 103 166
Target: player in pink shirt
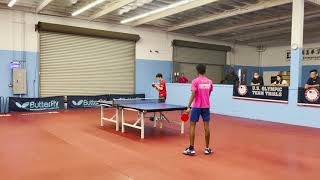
pixel 200 99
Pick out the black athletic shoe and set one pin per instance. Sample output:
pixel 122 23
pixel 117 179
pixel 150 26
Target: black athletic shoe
pixel 189 151
pixel 208 151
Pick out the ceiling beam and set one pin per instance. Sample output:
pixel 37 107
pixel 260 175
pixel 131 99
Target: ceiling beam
pixel 243 26
pixel 43 4
pixel 276 20
pixel 242 10
pixel 172 11
pixel 317 2
pixel 110 7
pixel 277 30
pixel 271 32
pixel 311 34
pixel 17 7
pixel 283 40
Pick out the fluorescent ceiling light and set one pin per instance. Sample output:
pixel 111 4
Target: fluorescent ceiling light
pixel 174 5
pixel 12 2
pixel 89 6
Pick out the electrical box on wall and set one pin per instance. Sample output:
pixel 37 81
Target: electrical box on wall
pixel 19 78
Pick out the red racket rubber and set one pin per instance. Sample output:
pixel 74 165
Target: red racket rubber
pixel 184 117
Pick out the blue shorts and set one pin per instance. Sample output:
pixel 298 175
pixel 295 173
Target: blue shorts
pixel 196 112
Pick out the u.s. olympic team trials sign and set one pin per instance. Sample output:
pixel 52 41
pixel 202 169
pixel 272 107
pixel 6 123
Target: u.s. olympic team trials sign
pixel 261 93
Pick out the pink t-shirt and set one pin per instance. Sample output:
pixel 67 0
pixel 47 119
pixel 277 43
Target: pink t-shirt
pixel 203 88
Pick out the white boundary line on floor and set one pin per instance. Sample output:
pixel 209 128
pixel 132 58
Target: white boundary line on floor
pixel 39 113
pixel 5 115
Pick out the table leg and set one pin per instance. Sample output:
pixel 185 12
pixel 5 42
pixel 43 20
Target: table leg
pixel 142 125
pixel 101 116
pixel 161 120
pixel 154 121
pixel 123 121
pixel 117 119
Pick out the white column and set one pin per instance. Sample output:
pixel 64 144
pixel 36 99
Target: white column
pixel 296 49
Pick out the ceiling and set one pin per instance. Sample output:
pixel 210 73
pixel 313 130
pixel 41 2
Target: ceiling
pixel 250 22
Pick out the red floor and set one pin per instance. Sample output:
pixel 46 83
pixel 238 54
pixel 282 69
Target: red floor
pixel 70 145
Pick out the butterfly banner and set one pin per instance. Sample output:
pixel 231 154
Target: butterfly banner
pixel 309 97
pixel 76 102
pixel 261 93
pixel 17 104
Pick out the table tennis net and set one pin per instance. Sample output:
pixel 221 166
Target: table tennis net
pixel 135 101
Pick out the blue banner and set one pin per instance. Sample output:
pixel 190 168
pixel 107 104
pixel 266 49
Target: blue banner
pixel 17 104
pixel 262 93
pixel 76 102
pixel 309 97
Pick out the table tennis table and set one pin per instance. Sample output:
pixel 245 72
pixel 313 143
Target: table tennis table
pixel 142 107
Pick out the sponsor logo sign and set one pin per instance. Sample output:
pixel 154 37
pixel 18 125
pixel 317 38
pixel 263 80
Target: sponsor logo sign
pixel 36 104
pixel 309 97
pixel 76 102
pixel 261 93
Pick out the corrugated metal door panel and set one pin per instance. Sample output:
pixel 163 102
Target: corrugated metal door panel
pixel 185 60
pixel 80 65
pixel 215 73
pixel 194 55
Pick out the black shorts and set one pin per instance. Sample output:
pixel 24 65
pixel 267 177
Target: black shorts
pixel 162 99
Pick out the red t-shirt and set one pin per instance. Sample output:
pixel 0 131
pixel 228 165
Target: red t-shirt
pixel 163 92
pixel 183 79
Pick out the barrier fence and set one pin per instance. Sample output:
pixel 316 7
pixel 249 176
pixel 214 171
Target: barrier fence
pixel 18 104
pixel 1 104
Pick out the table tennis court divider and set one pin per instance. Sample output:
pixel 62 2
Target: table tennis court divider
pixel 6 105
pixel 125 96
pixel 1 104
pixel 4 101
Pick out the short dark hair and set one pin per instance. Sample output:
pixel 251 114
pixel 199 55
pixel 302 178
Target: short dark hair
pixel 159 75
pixel 201 68
pixel 314 70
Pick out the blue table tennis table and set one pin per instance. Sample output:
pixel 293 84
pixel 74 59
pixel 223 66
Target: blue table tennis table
pixel 142 107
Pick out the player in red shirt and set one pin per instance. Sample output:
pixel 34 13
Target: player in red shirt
pixel 161 87
pixel 162 91
pixel 183 79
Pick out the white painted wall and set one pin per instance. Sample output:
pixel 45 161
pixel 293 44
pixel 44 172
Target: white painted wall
pixel 18 33
pixel 276 56
pixel 244 56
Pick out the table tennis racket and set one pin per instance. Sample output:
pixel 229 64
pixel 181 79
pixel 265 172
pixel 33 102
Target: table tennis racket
pixel 153 85
pixel 184 117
